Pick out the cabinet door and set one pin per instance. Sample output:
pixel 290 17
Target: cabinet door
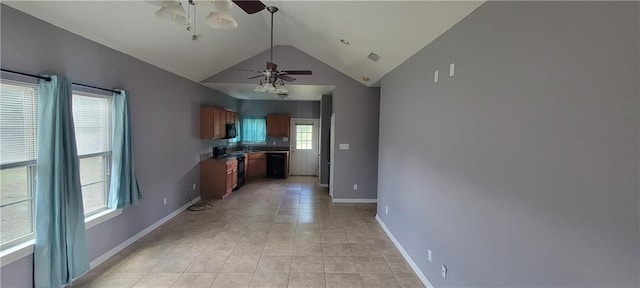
pixel 285 124
pixel 228 116
pixel 206 123
pixel 271 127
pixel 251 168
pixel 216 123
pixel 235 177
pixel 262 167
pixel 229 180
pixel 223 123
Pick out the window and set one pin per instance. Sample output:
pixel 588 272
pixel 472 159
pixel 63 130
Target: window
pixel 254 130
pixel 18 138
pixel 18 131
pixel 92 122
pixel 304 137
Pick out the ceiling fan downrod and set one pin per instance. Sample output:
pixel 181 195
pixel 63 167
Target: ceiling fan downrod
pixel 272 10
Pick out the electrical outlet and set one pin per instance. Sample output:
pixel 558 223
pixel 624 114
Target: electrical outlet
pixel 386 210
pixel 435 76
pixel 274 142
pixel 165 201
pixel 355 186
pixel 429 255
pixel 444 272
pixel 194 186
pixel 452 69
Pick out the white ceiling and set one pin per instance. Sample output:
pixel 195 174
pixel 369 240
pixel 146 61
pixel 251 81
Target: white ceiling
pixel 296 92
pixel 395 30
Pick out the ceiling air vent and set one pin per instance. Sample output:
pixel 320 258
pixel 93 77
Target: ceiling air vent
pixel 373 57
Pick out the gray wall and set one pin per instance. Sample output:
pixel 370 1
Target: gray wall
pixel 295 109
pixel 165 121
pixel 522 170
pixel 357 110
pixel 326 108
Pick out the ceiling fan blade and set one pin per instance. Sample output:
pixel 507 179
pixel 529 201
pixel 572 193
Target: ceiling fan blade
pixel 250 6
pixel 254 77
pixel 297 72
pixel 246 70
pixel 286 78
pixel 272 66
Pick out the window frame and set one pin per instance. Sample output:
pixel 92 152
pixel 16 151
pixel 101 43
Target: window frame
pixel 29 165
pixel 107 155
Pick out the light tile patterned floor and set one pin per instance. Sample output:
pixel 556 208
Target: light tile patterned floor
pixel 270 233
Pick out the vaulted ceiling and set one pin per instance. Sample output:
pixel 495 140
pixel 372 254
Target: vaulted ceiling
pixel 395 30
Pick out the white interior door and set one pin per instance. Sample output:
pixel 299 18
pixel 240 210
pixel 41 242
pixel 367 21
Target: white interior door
pixel 304 146
pixel 332 140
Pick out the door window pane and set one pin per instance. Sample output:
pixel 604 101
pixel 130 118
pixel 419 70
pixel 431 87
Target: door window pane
pixel 304 136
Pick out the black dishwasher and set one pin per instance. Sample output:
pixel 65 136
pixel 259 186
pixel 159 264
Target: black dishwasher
pixel 275 165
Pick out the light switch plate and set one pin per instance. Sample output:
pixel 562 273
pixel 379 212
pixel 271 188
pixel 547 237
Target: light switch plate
pixel 452 69
pixel 344 146
pixel 435 77
pixel 285 139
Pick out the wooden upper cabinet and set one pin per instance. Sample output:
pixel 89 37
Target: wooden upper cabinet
pixel 230 117
pixel 213 121
pixel 217 128
pixel 278 125
pixel 206 122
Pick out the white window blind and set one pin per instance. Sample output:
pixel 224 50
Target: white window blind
pixel 18 121
pixel 92 120
pixel 18 132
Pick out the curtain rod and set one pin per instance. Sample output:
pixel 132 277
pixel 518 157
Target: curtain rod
pixel 49 79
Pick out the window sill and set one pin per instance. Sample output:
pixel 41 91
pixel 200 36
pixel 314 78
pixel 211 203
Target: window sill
pixel 101 217
pixel 25 249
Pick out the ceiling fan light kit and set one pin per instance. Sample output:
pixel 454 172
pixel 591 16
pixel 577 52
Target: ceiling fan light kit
pixel 175 14
pixel 219 18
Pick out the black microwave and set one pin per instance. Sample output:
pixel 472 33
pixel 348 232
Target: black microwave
pixel 232 131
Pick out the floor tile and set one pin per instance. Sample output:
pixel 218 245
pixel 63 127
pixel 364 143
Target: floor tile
pixel 409 280
pixel 195 280
pixel 307 249
pixel 270 280
pixel 306 280
pixel 274 264
pixel 241 264
pixel 235 280
pixel 157 280
pixel 278 248
pixel 340 264
pixel 367 264
pixel 379 280
pixel 310 264
pixel 336 249
pixel 343 280
pixel 117 280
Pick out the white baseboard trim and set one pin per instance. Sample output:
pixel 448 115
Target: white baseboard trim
pixel 323 185
pixel 139 235
pixel 342 200
pixel 406 256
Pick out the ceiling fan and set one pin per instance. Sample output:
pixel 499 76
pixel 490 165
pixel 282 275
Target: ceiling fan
pixel 271 76
pixel 219 17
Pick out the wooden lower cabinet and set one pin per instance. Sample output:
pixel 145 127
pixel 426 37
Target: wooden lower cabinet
pixel 218 178
pixel 256 165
